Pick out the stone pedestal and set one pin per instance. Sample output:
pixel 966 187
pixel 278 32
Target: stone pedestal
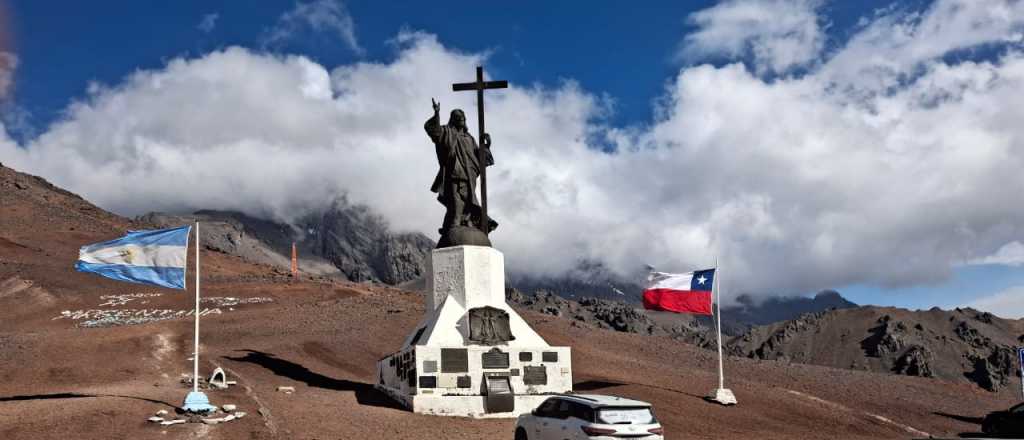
pixel 472 354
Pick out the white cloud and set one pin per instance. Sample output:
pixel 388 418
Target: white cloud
pixel 330 16
pixel 208 22
pixel 13 117
pixel 1006 304
pixel 795 183
pixel 8 64
pixel 1010 254
pixel 778 34
pixel 893 46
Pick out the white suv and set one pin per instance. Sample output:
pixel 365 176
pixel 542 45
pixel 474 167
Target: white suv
pixel 590 417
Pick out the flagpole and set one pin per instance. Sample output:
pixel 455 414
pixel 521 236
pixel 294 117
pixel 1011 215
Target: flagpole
pixel 196 401
pixel 718 316
pixel 195 354
pixel 721 394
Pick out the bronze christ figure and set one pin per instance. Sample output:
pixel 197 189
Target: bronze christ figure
pixel 460 162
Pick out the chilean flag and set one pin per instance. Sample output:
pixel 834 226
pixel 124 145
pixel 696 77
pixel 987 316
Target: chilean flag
pixel 681 293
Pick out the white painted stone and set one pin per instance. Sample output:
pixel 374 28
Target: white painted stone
pixel 723 396
pixel 218 379
pixel 480 271
pixel 162 412
pixel 447 381
pixel 172 422
pixel 155 419
pixel 286 390
pixel 229 407
pixel 462 278
pixel 472 406
pixel 239 414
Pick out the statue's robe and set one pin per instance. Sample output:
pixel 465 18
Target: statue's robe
pixel 458 159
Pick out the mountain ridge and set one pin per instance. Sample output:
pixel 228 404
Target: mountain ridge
pixel 960 345
pixel 352 242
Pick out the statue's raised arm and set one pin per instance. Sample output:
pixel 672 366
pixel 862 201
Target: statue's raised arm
pixel 433 125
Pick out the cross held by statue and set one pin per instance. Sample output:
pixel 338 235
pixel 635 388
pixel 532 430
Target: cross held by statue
pixel 480 85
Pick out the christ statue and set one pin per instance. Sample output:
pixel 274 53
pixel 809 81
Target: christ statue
pixel 458 158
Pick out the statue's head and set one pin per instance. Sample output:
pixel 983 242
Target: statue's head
pixel 457 119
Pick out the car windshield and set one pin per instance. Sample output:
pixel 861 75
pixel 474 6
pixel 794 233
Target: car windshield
pixel 1019 409
pixel 625 416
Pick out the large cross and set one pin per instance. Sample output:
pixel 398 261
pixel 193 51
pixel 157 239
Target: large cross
pixel 480 85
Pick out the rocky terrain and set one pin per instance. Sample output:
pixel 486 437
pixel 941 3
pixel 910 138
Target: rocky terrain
pixel 353 243
pixel 343 240
pixel 589 279
pixel 617 316
pixel 627 317
pixel 958 345
pixel 302 353
pixel 750 312
pixel 239 235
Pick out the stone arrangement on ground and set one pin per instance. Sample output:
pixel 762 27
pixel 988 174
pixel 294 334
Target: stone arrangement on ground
pixel 472 354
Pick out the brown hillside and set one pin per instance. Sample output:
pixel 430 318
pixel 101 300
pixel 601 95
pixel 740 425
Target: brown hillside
pixel 962 345
pixel 70 368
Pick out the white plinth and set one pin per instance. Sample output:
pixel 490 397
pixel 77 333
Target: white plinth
pixel 723 396
pixel 463 278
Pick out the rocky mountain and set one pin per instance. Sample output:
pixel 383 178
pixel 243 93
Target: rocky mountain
pixel 633 318
pixel 588 279
pixel 960 345
pixel 736 320
pixel 957 345
pixel 361 244
pixel 752 312
pixel 353 242
pixel 252 239
pixel 591 281
pixel 342 240
pixel 614 315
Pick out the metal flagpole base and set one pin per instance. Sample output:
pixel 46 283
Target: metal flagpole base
pixel 723 396
pixel 197 402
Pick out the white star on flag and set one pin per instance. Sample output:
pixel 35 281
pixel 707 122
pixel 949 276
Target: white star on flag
pixel 701 280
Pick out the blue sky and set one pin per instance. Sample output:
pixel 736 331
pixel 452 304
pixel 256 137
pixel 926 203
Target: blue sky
pixel 791 104
pixel 627 53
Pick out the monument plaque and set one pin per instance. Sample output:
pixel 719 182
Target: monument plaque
pixel 489 326
pixel 454 360
pixel 494 359
pixel 535 375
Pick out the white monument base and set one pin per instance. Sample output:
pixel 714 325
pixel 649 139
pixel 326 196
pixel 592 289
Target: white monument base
pixel 723 396
pixel 464 406
pixel 472 355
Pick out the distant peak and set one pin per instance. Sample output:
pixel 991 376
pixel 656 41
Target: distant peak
pixel 828 294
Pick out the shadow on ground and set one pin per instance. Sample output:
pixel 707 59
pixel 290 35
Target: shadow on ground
pixel 76 396
pixel 365 393
pixel 965 419
pixel 971 420
pixel 593 385
pixel 602 386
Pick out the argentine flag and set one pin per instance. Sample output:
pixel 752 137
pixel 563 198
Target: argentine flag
pixel 148 257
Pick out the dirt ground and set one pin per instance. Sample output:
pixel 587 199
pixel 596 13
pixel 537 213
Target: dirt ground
pixel 61 380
